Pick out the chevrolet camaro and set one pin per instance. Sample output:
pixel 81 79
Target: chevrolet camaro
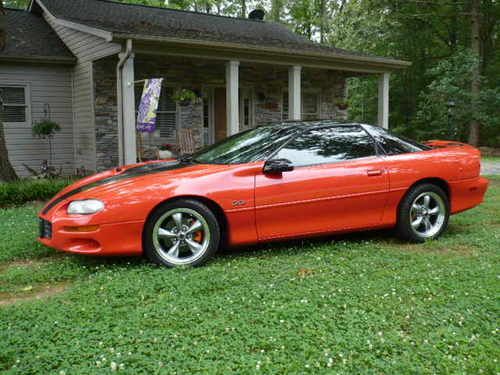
pixel 278 181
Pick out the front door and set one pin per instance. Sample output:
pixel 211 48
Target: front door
pixel 220 128
pixel 338 183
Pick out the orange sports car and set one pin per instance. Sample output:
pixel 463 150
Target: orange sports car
pixel 278 181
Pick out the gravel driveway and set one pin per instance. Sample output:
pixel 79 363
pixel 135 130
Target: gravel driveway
pixel 490 167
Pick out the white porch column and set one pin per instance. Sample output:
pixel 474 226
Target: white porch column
pixel 128 110
pixel 383 100
pixel 232 97
pixel 294 93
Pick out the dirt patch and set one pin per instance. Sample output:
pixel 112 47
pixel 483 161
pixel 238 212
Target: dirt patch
pixel 39 292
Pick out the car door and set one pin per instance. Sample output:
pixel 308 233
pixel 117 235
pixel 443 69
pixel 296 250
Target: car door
pixel 338 183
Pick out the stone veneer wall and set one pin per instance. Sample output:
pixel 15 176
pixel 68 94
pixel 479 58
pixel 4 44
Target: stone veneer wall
pixel 267 83
pixel 105 109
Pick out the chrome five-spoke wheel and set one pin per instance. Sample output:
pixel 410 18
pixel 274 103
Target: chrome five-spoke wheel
pixel 427 214
pixel 184 232
pixel 181 236
pixel 423 213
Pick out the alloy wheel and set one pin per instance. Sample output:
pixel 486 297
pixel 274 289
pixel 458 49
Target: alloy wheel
pixel 181 236
pixel 427 214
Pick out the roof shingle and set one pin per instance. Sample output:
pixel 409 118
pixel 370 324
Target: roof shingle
pixel 133 19
pixel 29 36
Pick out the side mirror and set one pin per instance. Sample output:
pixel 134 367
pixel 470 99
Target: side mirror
pixel 278 166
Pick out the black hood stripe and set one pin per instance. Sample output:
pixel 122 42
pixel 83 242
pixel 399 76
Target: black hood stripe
pixel 141 170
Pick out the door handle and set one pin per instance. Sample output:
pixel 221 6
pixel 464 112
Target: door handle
pixel 374 172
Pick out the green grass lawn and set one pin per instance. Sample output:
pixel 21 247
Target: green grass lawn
pixel 363 303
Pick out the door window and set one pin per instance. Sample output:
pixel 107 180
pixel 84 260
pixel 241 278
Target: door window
pixel 246 109
pixel 328 145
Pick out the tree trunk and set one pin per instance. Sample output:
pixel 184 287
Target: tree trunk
pixel 7 173
pixel 276 6
pixel 3 21
pixel 322 23
pixel 243 9
pixel 476 74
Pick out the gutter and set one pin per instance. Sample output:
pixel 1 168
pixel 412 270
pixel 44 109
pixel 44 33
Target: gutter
pixel 40 59
pixel 123 57
pixel 347 57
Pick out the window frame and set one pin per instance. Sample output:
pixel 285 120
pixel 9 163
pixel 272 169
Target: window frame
pixel 380 147
pixel 305 92
pixel 316 92
pixel 157 133
pixel 27 101
pixel 305 129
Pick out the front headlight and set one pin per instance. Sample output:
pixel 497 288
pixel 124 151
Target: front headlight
pixel 85 207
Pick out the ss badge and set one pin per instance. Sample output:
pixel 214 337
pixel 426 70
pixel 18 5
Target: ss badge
pixel 239 203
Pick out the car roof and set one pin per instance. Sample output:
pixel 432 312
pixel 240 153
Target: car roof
pixel 314 124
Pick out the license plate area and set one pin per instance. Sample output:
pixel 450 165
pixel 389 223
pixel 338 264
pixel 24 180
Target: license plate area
pixel 45 228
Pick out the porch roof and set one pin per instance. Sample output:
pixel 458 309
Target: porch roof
pixel 117 21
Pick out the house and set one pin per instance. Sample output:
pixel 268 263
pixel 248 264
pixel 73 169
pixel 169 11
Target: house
pixel 81 63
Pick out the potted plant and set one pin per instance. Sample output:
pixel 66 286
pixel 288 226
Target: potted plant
pixel 166 151
pixel 342 105
pixel 46 129
pixel 185 97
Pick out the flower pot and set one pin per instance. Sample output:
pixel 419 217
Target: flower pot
pixel 165 154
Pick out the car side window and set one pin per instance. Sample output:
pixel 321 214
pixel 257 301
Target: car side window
pixel 393 145
pixel 328 145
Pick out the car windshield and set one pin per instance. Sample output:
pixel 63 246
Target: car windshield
pixel 248 146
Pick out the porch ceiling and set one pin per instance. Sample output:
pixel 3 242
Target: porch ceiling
pixel 354 64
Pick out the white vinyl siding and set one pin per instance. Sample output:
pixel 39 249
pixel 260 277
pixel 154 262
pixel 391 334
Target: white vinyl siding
pixel 47 90
pixel 86 48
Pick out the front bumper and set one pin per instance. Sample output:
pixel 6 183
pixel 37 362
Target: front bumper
pixel 97 239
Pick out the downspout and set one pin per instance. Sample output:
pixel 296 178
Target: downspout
pixel 123 57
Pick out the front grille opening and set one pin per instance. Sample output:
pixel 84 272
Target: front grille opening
pixel 45 228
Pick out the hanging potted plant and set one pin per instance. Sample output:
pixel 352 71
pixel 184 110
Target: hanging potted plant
pixel 185 97
pixel 342 105
pixel 46 129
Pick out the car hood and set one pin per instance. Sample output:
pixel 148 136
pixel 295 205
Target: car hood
pixel 116 178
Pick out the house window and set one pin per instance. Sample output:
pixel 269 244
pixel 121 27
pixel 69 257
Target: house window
pixel 166 120
pixel 15 104
pixel 167 113
pixel 284 106
pixel 246 109
pixel 310 105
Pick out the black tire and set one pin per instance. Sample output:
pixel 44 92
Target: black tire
pixel 404 228
pixel 156 250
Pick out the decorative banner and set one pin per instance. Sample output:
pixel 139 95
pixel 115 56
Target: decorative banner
pixel 146 116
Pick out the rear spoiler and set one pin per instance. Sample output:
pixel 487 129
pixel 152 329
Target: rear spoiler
pixel 442 144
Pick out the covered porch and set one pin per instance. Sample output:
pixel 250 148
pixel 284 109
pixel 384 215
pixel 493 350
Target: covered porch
pixel 235 92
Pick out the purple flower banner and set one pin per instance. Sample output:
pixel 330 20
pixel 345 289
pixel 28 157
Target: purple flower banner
pixel 146 116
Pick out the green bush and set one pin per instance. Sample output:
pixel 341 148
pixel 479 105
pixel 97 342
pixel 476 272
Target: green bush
pixel 20 192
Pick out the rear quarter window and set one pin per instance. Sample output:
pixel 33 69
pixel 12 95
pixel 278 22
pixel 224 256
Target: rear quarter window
pixel 393 145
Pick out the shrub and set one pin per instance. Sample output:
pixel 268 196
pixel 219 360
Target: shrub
pixel 20 192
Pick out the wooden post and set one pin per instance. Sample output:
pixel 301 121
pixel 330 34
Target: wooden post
pixel 128 108
pixel 232 97
pixel 383 100
pixel 294 93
